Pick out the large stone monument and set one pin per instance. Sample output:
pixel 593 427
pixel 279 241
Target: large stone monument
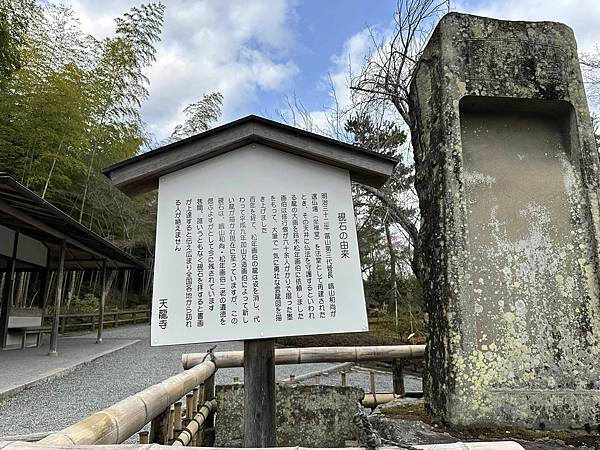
pixel 507 177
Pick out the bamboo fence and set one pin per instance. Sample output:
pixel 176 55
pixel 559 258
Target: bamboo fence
pixel 314 355
pixel 117 423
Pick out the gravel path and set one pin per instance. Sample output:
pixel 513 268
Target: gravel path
pixel 61 402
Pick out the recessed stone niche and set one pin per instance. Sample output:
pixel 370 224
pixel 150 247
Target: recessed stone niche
pixel 507 177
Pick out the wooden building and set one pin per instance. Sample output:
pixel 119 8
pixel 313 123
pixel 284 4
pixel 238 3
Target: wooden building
pixel 39 239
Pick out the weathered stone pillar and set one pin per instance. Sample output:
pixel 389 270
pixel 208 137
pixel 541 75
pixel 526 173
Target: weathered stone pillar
pixel 507 177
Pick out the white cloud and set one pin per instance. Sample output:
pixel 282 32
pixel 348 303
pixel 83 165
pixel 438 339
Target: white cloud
pixel 236 47
pixel 583 16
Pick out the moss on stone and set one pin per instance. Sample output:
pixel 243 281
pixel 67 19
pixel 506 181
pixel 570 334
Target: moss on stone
pixel 416 412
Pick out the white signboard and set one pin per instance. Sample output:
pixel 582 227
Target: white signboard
pixel 255 243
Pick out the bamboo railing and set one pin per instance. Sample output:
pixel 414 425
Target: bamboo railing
pixel 314 355
pixel 172 424
pixel 91 320
pixel 122 420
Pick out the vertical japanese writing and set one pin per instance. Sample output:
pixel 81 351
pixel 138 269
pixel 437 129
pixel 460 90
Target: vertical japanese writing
pixel 318 254
pixel 199 263
pixel 308 275
pixel 244 260
pixel 285 245
pixel 163 313
pixel 211 253
pixel 276 266
pixel 343 227
pixel 232 244
pixel 233 272
pixel 177 225
pixel 263 215
pixel 255 277
pixel 297 257
pixel 328 255
pixel 222 262
pixel 189 295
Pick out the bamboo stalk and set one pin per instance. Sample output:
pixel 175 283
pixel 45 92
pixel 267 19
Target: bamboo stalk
pixel 120 421
pixel 314 355
pixel 195 424
pixel 171 426
pixel 195 400
pixel 177 417
pixel 313 374
pixel 373 399
pixel 189 406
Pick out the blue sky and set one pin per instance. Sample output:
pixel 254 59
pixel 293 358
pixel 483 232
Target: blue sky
pixel 258 52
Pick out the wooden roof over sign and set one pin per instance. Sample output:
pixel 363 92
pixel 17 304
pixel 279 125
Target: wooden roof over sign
pixel 141 173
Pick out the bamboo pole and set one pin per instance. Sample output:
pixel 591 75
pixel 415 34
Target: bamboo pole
pixel 195 399
pixel 177 417
pixel 117 423
pixel 372 381
pixel 189 406
pixel 195 425
pixel 314 374
pixel 315 355
pixel 373 399
pixel 171 426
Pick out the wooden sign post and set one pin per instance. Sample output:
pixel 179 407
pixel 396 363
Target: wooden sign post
pixel 256 239
pixel 259 393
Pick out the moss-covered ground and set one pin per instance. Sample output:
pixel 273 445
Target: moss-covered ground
pixel 417 412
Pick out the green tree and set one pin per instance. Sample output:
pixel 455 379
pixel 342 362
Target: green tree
pixel 15 18
pixel 199 116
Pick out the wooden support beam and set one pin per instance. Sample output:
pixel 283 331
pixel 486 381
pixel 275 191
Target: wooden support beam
pixel 103 294
pixel 259 393
pixel 398 377
pixel 9 292
pixel 57 299
pixel 60 236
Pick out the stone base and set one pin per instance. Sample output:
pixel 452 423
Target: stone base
pixel 307 416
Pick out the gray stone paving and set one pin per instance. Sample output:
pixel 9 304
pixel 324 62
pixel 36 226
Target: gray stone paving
pixel 58 403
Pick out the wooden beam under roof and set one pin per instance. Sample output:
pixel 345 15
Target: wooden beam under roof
pixel 141 173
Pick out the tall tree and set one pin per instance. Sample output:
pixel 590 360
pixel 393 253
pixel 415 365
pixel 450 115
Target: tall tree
pixel 385 80
pixel 199 116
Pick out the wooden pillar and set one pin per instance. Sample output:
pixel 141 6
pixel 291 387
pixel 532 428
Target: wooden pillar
pixel 103 294
pixel 8 294
pixel 57 299
pixel 398 377
pixel 259 393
